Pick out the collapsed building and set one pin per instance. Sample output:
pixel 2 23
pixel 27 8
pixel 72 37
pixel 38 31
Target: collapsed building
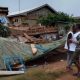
pixel 9 49
pixel 31 16
pixel 33 30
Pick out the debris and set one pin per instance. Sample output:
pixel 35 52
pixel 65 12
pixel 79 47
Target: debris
pixel 61 60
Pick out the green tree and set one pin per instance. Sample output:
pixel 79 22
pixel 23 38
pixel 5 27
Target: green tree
pixel 53 19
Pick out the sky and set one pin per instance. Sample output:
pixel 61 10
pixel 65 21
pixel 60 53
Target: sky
pixel 71 7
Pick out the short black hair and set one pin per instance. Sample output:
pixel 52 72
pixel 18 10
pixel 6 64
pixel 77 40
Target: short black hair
pixel 69 35
pixel 74 28
pixel 78 26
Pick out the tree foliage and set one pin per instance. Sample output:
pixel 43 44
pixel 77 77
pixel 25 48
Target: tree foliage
pixel 52 19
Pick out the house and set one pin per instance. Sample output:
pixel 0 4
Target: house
pixel 3 15
pixel 30 16
pixel 3 11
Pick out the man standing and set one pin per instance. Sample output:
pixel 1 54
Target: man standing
pixel 69 45
pixel 76 41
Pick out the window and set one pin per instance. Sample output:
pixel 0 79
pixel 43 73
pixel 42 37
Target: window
pixel 16 20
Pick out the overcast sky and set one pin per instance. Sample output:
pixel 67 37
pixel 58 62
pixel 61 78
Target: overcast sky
pixel 67 6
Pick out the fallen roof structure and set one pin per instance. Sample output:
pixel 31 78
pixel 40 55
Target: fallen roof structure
pixel 12 48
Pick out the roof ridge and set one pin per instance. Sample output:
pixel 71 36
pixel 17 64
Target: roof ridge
pixel 29 10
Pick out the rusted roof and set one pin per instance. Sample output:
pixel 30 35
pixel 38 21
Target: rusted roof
pixel 31 10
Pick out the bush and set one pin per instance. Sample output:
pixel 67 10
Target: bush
pixel 4 31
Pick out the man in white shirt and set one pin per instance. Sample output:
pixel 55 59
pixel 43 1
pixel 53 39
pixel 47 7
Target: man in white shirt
pixel 70 46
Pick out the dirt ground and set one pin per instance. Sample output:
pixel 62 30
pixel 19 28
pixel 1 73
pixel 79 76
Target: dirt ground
pixel 54 63
pixel 60 66
pixel 50 67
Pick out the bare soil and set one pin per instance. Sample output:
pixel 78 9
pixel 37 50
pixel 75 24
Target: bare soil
pixel 50 67
pixel 54 62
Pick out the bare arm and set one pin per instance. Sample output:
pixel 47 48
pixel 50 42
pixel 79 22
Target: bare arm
pixel 69 40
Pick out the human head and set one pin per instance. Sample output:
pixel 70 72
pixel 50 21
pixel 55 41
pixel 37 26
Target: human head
pixel 77 27
pixel 74 28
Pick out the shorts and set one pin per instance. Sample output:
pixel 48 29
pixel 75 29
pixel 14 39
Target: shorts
pixel 76 56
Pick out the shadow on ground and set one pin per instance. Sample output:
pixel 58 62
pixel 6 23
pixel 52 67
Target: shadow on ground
pixel 51 57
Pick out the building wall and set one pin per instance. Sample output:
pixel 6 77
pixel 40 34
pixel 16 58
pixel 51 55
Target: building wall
pixel 31 22
pixel 31 17
pixel 3 11
pixel 39 13
pixel 3 14
pixel 35 15
pixel 17 20
pixel 61 29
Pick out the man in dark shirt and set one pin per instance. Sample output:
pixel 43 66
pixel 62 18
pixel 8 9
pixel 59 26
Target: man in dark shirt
pixel 76 56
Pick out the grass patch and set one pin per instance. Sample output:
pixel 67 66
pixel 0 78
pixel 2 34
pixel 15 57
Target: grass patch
pixel 41 75
pixel 36 74
pixel 78 78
